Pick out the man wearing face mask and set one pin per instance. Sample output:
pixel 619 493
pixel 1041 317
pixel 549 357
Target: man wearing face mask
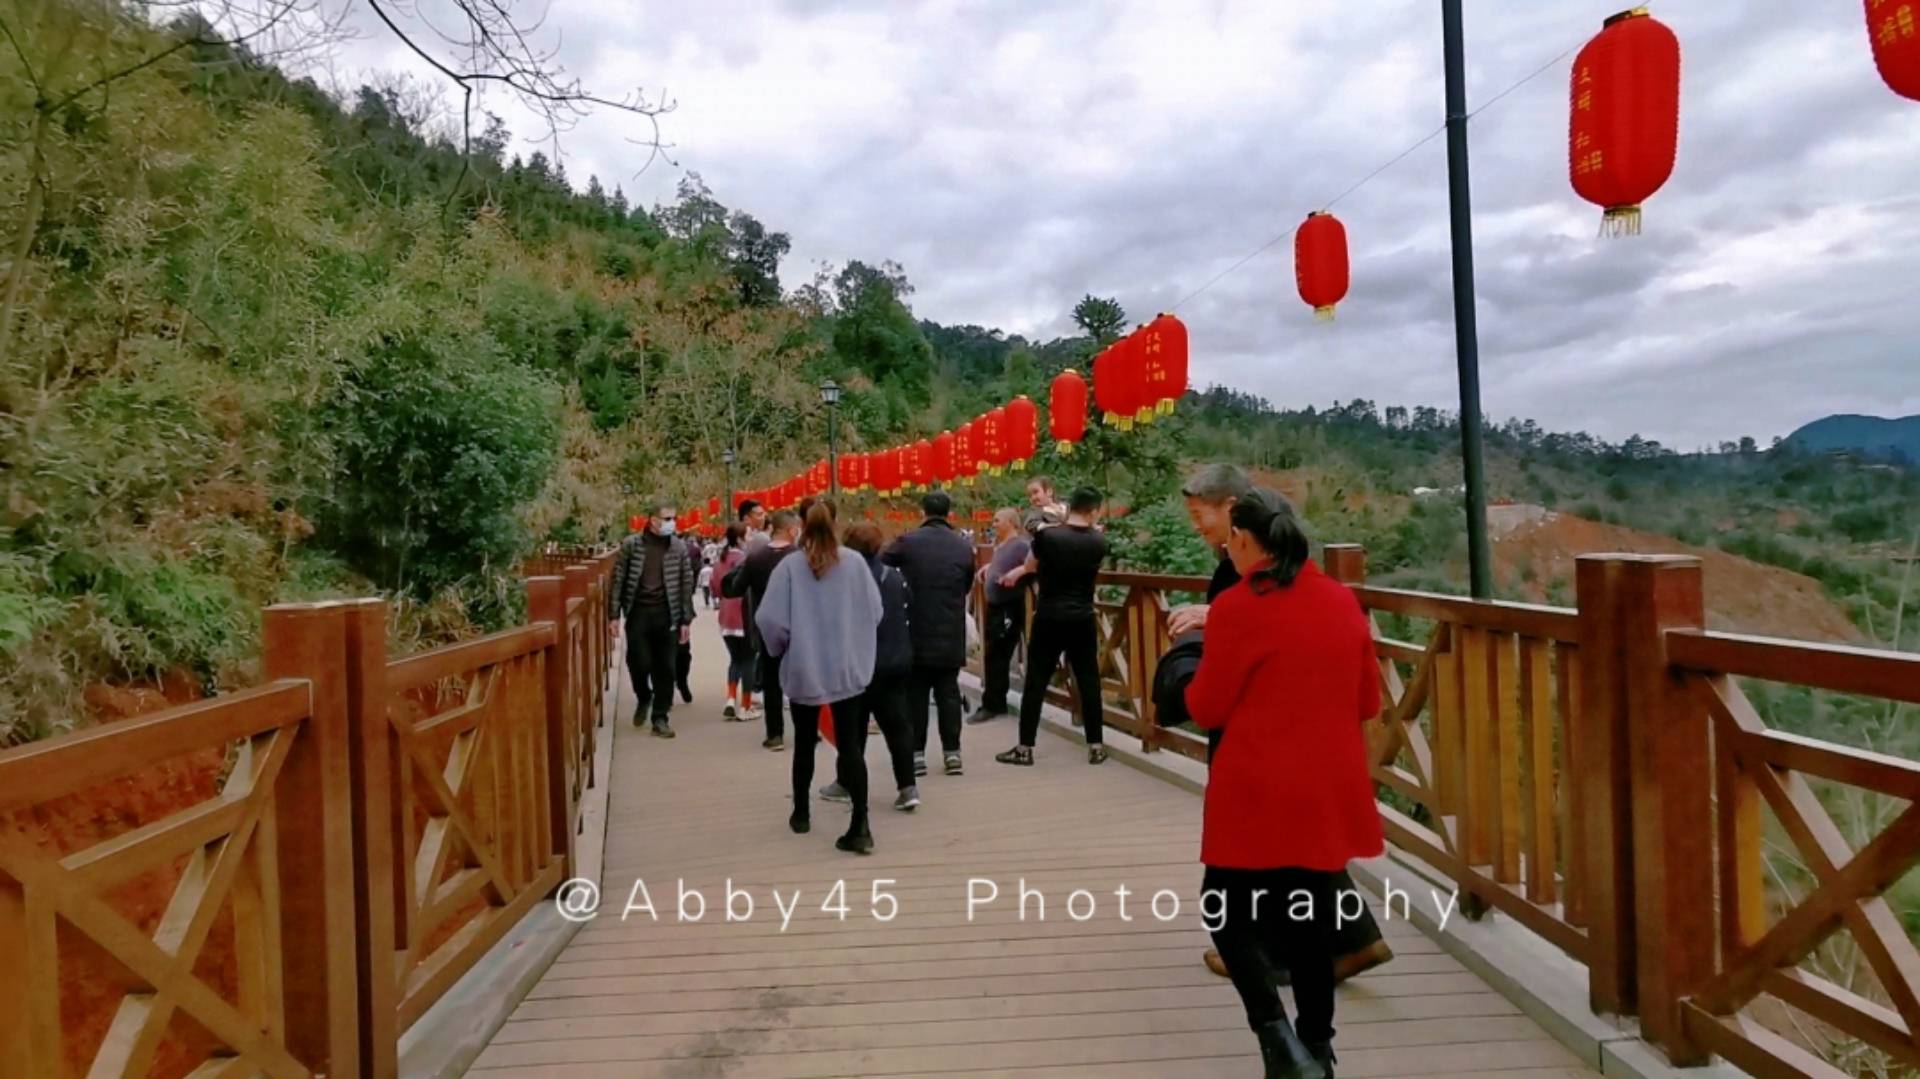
pixel 653 591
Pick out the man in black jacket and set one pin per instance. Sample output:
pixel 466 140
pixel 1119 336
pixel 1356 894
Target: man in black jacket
pixel 1211 494
pixel 653 591
pixel 937 562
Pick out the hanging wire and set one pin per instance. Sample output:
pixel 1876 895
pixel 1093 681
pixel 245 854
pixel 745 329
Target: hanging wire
pixel 1369 177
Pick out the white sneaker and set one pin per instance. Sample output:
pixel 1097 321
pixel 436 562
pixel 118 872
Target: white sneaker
pixel 748 714
pixel 728 711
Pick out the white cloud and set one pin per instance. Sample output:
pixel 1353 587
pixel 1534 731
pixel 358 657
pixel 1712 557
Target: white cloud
pixel 1014 155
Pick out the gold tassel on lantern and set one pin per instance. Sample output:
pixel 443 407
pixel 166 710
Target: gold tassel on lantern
pixel 1064 449
pixel 1620 221
pixel 1323 314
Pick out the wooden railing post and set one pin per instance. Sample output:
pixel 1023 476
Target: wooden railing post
pixel 313 831
pixel 547 603
pixel 582 683
pixel 1671 759
pixel 376 827
pixel 1602 788
pixel 1345 562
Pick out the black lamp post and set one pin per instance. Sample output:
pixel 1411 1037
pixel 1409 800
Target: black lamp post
pixel 726 455
pixel 830 397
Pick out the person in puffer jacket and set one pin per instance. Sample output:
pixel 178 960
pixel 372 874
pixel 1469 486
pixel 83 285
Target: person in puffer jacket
pixel 890 693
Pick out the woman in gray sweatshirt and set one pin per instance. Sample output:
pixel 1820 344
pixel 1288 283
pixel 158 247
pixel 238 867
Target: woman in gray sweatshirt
pixel 819 617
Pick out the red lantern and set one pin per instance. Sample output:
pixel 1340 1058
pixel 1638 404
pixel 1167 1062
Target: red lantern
pixel 1126 377
pixel 1894 30
pixel 1022 434
pixel 848 470
pixel 1320 263
pixel 942 464
pixel 1104 383
pixel 1166 351
pixel 994 446
pixel 1626 116
pixel 636 522
pixel 886 471
pixel 1067 409
pixel 920 463
pixel 713 505
pixel 966 459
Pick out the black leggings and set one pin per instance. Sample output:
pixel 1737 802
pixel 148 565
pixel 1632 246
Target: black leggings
pixel 888 698
pixel 1260 933
pixel 1079 642
pixel 850 760
pixel 739 661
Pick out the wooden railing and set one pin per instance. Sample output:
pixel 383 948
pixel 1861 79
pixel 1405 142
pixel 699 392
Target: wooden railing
pixel 1596 774
pixel 375 827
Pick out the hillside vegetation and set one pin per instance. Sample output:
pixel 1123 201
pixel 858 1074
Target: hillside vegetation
pixel 261 344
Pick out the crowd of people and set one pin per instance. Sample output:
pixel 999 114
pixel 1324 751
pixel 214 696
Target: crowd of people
pixel 1277 667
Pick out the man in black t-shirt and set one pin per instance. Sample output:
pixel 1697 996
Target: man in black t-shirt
pixel 1066 560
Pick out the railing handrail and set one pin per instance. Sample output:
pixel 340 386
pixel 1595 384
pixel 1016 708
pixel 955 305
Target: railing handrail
pixel 1841 668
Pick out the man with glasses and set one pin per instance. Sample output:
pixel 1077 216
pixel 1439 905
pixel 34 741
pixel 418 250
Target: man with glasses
pixel 653 591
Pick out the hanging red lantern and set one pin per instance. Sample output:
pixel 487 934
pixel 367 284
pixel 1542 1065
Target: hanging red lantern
pixel 636 522
pixel 847 470
pixel 920 463
pixel 1166 350
pixel 995 448
pixel 1103 386
pixel 713 505
pixel 1022 434
pixel 1126 382
pixel 1626 117
pixel 942 464
pixel 1894 30
pixel 1320 263
pixel 966 460
pixel 886 471
pixel 1067 410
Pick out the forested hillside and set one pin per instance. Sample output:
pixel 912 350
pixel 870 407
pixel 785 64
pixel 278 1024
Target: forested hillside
pixel 258 344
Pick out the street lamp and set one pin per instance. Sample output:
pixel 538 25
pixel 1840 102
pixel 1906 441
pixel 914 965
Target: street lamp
pixel 726 455
pixel 830 397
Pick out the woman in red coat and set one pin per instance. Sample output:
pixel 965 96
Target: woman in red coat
pixel 1288 673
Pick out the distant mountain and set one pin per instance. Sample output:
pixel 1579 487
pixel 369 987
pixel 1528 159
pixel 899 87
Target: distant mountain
pixel 1873 436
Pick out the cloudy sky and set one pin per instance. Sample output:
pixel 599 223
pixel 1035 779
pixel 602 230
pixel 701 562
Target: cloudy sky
pixel 1016 154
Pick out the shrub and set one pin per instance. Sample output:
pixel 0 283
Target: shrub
pixel 439 443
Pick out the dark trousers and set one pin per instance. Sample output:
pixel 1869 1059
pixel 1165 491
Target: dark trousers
pixel 683 664
pixel 651 641
pixel 888 698
pixel 942 686
pixel 1004 627
pixel 1078 642
pixel 739 662
pixel 770 696
pixel 850 762
pixel 1255 937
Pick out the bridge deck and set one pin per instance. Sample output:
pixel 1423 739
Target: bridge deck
pixel 932 992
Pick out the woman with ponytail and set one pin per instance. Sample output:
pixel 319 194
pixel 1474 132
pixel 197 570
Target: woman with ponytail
pixel 1287 674
pixel 819 618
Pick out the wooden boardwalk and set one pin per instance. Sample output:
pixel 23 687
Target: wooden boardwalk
pixel 933 991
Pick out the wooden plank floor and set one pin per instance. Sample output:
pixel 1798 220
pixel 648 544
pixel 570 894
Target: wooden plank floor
pixel 934 991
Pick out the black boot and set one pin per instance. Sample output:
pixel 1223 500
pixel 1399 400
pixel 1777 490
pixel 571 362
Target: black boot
pixel 1323 1052
pixel 1283 1055
pixel 858 840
